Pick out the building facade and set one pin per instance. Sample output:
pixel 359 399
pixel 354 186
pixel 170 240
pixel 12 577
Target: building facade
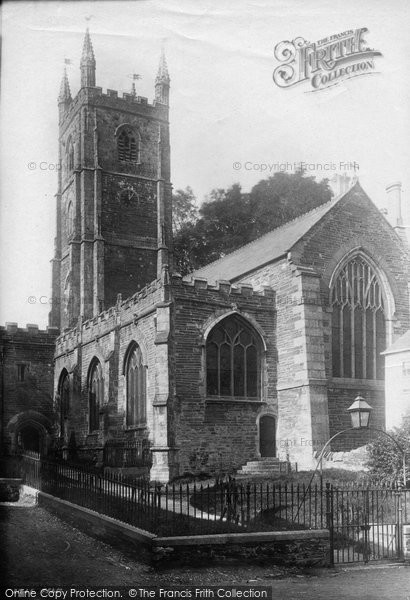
pixel 397 361
pixel 255 356
pixel 27 416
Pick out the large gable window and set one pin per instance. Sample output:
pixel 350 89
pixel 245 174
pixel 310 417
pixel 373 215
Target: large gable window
pixel 233 359
pixel 96 395
pixel 135 372
pixel 358 322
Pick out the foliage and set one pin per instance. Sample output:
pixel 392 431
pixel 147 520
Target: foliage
pixel 230 218
pixel 385 458
pixel 184 209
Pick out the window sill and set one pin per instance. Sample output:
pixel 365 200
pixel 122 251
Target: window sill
pixel 135 427
pixel 357 383
pixel 233 400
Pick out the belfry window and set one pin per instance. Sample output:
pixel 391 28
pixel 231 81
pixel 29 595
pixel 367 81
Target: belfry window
pixel 233 360
pixel 358 322
pixel 135 373
pixel 95 395
pixel 127 146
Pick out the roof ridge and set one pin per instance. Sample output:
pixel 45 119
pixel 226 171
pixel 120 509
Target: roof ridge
pixel 333 200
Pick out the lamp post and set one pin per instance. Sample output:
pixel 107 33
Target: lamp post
pixel 360 417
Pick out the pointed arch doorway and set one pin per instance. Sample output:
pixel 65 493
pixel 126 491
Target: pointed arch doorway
pixel 267 436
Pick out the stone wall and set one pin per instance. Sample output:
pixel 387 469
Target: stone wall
pixel 312 405
pixel 296 548
pixel 27 382
pixel 217 433
pixel 189 431
pixel 299 548
pixel 397 388
pixel 107 339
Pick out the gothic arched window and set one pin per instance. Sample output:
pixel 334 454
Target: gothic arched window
pixel 135 373
pixel 233 362
pixel 95 394
pixel 358 322
pixel 128 147
pixel 64 398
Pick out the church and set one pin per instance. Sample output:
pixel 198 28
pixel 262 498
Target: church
pixel 255 357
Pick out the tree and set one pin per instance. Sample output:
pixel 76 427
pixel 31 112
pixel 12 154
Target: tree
pixel 230 218
pixel 385 461
pixel 284 197
pixel 184 209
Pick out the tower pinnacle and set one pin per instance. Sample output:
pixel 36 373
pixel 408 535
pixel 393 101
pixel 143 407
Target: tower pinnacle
pixel 162 81
pixel 65 93
pixel 162 75
pixel 87 64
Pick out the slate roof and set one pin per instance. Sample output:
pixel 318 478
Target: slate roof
pixel 403 343
pixel 267 248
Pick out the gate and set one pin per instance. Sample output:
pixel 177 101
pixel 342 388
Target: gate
pixel 366 524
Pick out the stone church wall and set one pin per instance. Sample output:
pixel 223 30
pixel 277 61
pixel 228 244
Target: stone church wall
pixel 216 434
pixel 107 338
pixel 302 281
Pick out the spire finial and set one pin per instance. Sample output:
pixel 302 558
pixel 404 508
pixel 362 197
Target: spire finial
pixel 162 81
pixel 87 64
pixel 162 75
pixel 65 93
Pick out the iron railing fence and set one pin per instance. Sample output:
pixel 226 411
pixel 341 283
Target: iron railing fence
pixel 127 454
pixel 228 505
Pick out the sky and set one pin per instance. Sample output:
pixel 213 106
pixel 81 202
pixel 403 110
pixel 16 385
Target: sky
pixel 230 123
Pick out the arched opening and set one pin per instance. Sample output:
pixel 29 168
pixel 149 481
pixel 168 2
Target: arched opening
pixel 135 377
pixel 233 359
pixel 95 394
pixel 358 321
pixel 127 145
pixel 267 436
pixel 64 402
pixel 29 439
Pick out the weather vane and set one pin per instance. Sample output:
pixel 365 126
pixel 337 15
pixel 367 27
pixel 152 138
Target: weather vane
pixel 134 77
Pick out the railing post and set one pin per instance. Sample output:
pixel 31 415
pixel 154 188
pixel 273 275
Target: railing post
pixel 248 503
pixel 329 520
pixel 399 526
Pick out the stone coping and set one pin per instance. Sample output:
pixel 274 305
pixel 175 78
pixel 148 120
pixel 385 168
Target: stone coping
pixel 63 506
pixel 242 538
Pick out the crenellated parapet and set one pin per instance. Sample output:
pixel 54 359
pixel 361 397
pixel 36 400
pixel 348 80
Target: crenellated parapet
pixel 138 105
pixel 123 313
pixel 30 329
pixel 197 286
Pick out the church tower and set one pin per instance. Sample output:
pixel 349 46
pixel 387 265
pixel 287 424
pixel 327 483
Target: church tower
pixel 114 231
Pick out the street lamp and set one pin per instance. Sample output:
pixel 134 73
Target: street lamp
pixel 360 413
pixel 360 417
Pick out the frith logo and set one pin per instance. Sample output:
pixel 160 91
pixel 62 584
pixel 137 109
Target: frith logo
pixel 326 62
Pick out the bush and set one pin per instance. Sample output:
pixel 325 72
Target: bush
pixel 385 458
